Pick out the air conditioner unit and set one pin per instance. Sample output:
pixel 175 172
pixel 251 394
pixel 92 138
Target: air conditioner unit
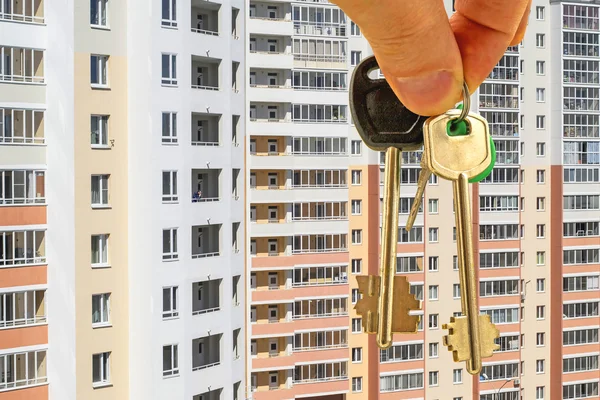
pixel 517 382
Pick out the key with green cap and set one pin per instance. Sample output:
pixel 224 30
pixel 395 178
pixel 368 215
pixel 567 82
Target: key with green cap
pixel 453 128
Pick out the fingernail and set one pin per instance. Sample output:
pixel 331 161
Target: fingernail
pixel 428 94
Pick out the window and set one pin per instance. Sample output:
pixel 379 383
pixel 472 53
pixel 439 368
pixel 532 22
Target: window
pixel 170 302
pixel 540 312
pixel 540 149
pixel 99 250
pixel 99 13
pixel 356 177
pixel 540 339
pixel 356 325
pixel 433 378
pixel 540 285
pixel 356 147
pixel 433 264
pixel 356 207
pixel 541 203
pixel 433 321
pixel 169 69
pixel 356 266
pixel 101 369
pixel 540 95
pixel 100 309
pixel 540 366
pixel 357 354
pixel 541 258
pixel 540 13
pixel 169 187
pixel 433 350
pixel 98 71
pixel 541 231
pixel 455 263
pixel 357 384
pixel 354 29
pixel 456 291
pixel 433 292
pixel 99 131
pixel 540 122
pixel 355 296
pixel 355 57
pixel 457 376
pixel 539 393
pixel 433 235
pixel 169 13
pixel 540 67
pixel 433 206
pixel 170 360
pixel 170 244
pixel 99 190
pixel 356 236
pixel 169 127
pixel 541 176
pixel 540 40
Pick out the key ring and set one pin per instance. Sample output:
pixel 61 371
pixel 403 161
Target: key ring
pixel 466 104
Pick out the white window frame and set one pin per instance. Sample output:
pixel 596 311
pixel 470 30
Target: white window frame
pixel 102 65
pixel 434 292
pixel 433 350
pixel 172 254
pixel 103 188
pixel 355 57
pixel 433 378
pixel 102 242
pixel 171 196
pixel 171 19
pixel 169 126
pixel 356 266
pixel 174 370
pixel 356 354
pixel 434 262
pixel 99 127
pixel 171 78
pixel 355 29
pixel 540 40
pixel 357 384
pixel 540 13
pixel 103 301
pixel 356 236
pixel 433 235
pixel 102 5
pixel 457 376
pixel 104 372
pixel 356 207
pixel 540 95
pixel 433 321
pixel 173 310
pixel 540 67
pixel 356 177
pixel 356 147
pixel 540 122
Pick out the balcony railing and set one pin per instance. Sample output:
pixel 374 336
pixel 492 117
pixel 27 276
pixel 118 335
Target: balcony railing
pixel 254 85
pixel 205 143
pixel 206 311
pixel 204 255
pixel 324 347
pixel 324 379
pixel 319 28
pixel 271 19
pixel 281 120
pixel 285 52
pixel 206 366
pixel 204 199
pixel 337 58
pixel 204 87
pixel 205 32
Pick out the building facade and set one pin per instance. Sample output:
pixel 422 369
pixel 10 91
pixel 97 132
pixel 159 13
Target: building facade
pixel 315 200
pixel 121 202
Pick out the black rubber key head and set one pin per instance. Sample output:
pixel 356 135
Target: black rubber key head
pixel 380 118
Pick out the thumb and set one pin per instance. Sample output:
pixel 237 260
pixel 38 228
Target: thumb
pixel 415 49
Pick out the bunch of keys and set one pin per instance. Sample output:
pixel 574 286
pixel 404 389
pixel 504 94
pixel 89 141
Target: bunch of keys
pixel 456 146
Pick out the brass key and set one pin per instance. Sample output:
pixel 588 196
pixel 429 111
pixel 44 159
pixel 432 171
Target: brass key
pixel 458 159
pixel 385 124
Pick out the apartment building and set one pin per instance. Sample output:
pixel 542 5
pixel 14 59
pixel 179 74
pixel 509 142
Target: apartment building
pixel 315 201
pixel 121 200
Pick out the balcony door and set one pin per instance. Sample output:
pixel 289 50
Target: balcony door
pixel 200 76
pixel 200 23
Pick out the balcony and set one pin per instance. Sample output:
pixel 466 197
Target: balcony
pixel 206 352
pixel 205 73
pixel 21 65
pixel 21 248
pixel 206 296
pixel 206 241
pixel 19 309
pixel 272 51
pixel 22 11
pixel 206 129
pixel 210 395
pixel 270 382
pixel 205 185
pixel 320 308
pixel 20 126
pixel 22 187
pixel 318 276
pixel 269 20
pixel 205 17
pixel 321 372
pixel 22 370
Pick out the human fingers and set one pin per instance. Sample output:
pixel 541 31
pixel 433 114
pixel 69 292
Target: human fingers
pixel 522 26
pixel 415 49
pixel 483 30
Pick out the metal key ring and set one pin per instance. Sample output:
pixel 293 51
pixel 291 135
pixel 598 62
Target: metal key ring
pixel 466 104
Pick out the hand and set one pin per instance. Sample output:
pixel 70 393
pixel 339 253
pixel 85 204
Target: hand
pixel 425 57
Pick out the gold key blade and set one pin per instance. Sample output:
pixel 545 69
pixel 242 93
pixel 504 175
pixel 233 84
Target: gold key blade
pixel 458 340
pixel 389 239
pixel 421 184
